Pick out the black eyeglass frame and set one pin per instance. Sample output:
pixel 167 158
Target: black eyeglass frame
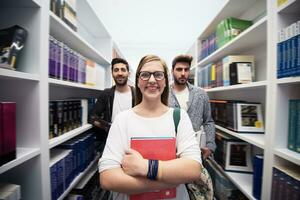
pixel 154 75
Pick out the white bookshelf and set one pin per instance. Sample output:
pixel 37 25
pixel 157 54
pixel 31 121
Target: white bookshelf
pixel 253 85
pixel 66 136
pixel 274 94
pixel 68 84
pixel 10 74
pixel 252 138
pixel 31 88
pixel 23 154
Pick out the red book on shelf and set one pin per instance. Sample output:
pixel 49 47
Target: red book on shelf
pixel 163 148
pixel 7 131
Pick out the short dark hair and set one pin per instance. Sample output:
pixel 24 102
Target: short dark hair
pixel 182 58
pixel 119 60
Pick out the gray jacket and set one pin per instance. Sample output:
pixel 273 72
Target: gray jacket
pixel 198 109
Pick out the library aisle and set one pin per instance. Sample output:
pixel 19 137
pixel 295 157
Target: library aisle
pixel 55 58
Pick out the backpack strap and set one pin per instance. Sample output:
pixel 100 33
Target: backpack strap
pixel 176 118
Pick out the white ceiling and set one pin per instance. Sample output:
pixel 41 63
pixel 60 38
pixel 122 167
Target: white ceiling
pixel 161 27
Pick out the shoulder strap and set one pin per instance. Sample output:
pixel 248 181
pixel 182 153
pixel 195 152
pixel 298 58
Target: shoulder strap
pixel 176 118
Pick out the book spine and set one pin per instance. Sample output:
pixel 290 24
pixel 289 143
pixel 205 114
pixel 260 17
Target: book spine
pixel 52 61
pixel 292 125
pixel 65 63
pixel 257 176
pixel 51 120
pixel 297 129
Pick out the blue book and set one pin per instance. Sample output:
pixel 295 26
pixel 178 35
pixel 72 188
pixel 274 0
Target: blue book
pixel 257 175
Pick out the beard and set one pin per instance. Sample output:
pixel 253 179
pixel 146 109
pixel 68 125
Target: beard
pixel 121 82
pixel 180 81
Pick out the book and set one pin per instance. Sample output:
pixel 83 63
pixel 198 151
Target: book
pixel 257 175
pixel 240 72
pixel 12 41
pixel 7 132
pixel 163 148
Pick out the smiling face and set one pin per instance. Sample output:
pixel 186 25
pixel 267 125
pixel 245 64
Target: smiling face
pixel 152 88
pixel 120 74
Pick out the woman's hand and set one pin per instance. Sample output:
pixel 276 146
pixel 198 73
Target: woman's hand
pixel 134 164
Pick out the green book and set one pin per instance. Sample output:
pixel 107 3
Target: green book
pixel 236 26
pixel 292 125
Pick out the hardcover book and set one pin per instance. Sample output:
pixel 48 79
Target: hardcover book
pixel 163 148
pixel 240 72
pixel 12 41
pixel 7 131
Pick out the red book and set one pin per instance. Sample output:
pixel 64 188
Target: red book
pixel 7 131
pixel 163 148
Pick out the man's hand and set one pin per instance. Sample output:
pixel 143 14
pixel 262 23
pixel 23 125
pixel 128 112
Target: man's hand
pixel 134 164
pixel 206 152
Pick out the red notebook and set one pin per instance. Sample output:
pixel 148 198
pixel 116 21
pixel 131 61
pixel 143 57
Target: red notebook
pixel 163 148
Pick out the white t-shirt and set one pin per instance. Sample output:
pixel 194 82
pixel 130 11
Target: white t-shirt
pixel 128 124
pixel 183 98
pixel 122 101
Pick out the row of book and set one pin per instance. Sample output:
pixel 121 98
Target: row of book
pixel 207 46
pixel 69 65
pixel 294 125
pixel 66 115
pixel 288 51
pixel 231 70
pixel 7 132
pixel 10 191
pixel 68 160
pixel 12 41
pixel 285 184
pixel 238 116
pixel 226 30
pixel 66 10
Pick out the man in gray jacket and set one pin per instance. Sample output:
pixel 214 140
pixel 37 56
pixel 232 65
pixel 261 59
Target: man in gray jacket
pixel 194 100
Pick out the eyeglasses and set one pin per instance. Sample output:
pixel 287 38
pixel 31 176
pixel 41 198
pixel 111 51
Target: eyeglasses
pixel 158 75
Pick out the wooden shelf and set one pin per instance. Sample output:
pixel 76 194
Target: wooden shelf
pixel 252 37
pixel 78 178
pixel 288 155
pixel 252 138
pixel 23 154
pixel 62 32
pixel 66 136
pixel 254 85
pixel 17 75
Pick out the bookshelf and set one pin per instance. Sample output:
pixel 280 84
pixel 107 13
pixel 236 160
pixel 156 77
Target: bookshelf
pixel 274 94
pixel 32 89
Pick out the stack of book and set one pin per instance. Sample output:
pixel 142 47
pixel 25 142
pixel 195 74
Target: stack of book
pixel 68 160
pixel 238 116
pixel 66 10
pixel 7 132
pixel 66 115
pixel 288 59
pixel 285 184
pixel 231 70
pixel 229 28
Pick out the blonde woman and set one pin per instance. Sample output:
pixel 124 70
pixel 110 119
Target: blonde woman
pixel 124 170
